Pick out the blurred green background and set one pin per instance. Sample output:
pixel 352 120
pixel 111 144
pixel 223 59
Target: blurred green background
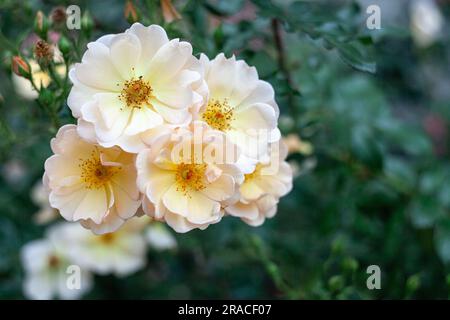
pixel 375 190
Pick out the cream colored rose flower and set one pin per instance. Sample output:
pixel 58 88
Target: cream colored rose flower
pixel 262 188
pixel 135 143
pixel 45 271
pixel 255 212
pixel 187 179
pixel 120 253
pixel 134 81
pixel 240 105
pixel 89 183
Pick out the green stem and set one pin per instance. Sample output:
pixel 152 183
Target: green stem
pixel 53 75
pixel 47 108
pixel 272 269
pixel 284 68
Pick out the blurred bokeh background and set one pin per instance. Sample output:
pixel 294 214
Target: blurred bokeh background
pixel 365 113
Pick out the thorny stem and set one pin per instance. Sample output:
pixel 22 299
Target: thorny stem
pixel 279 44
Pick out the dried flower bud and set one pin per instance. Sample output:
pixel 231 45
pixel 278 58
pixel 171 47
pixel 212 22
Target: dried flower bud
pixel 20 67
pixel 169 12
pixel 43 52
pixel 58 16
pixel 130 12
pixel 41 24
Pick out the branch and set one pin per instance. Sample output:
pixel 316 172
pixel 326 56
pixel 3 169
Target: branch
pixel 283 66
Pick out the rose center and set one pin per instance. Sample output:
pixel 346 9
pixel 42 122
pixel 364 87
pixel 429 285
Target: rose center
pixel 255 173
pixel 53 262
pixel 190 177
pixel 218 114
pixel 107 238
pixel 136 92
pixel 94 174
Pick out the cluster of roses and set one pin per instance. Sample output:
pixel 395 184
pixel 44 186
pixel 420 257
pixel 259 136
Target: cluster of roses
pixel 183 140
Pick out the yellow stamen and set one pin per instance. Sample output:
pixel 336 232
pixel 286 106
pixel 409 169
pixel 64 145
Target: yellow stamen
pixel 250 176
pixel 94 174
pixel 53 262
pixel 190 177
pixel 218 114
pixel 136 92
pixel 107 238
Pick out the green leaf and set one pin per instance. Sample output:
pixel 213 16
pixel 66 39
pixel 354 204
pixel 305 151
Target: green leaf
pixel 424 212
pixel 337 29
pixel 442 240
pixel 399 173
pixel 357 56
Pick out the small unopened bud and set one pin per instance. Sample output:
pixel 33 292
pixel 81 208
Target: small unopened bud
pixel 43 52
pixel 58 16
pixel 87 23
pixel 413 283
pixel 20 67
pixel 338 245
pixel 64 46
pixel 41 25
pixel 130 12
pixel 350 264
pixel 336 283
pixel 169 12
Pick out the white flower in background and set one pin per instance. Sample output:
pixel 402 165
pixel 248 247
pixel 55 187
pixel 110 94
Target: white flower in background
pixel 46 213
pixel 46 274
pixel 240 105
pixel 426 22
pixel 89 183
pixel 134 81
pixel 262 188
pixel 186 180
pixel 159 237
pixel 14 171
pixel 41 79
pixel 296 145
pixel 120 253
